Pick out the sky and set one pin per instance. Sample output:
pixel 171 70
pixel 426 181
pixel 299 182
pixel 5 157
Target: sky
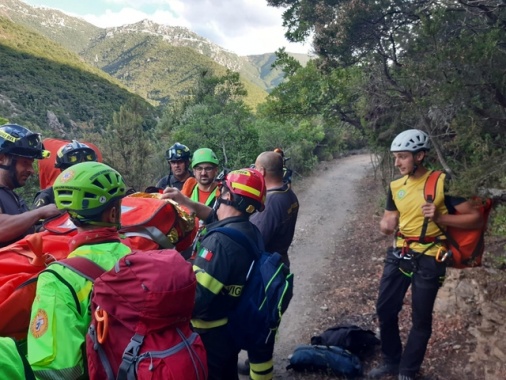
pixel 245 27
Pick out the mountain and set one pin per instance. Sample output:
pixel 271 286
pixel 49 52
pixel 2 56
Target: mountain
pixel 148 64
pixel 177 36
pixel 77 35
pixel 42 83
pixel 71 32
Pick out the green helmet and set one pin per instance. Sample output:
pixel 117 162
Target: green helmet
pixel 204 155
pixel 87 189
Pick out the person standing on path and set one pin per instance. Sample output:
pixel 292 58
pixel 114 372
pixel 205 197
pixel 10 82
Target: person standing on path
pixel 277 225
pixel 411 261
pixel 221 264
pixel 19 147
pixel 277 221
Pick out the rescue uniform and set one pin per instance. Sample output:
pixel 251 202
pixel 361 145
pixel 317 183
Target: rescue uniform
pixel 13 364
pixel 192 191
pixel 411 264
pixel 277 226
pixel 60 318
pixel 277 222
pixel 221 266
pixel 12 204
pixel 43 198
pixel 171 181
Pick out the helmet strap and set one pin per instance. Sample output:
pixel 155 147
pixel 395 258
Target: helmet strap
pixel 11 168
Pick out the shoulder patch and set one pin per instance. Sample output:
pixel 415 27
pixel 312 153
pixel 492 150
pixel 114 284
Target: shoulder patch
pixel 206 254
pixel 39 324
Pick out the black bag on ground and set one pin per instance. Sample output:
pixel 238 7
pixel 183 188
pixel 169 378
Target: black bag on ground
pixel 329 359
pixel 350 337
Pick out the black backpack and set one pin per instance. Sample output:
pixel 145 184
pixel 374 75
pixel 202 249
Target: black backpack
pixel 350 337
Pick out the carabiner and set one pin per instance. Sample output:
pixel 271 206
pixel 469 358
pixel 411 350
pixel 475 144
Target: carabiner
pixel 442 255
pixel 102 324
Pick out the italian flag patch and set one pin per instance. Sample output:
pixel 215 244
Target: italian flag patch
pixel 206 254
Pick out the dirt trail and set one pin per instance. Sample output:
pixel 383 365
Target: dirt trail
pixel 326 201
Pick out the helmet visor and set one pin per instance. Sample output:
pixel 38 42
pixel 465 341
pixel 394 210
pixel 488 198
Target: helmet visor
pixel 82 155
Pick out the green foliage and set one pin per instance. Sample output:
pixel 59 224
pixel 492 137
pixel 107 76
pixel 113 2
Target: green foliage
pixel 497 226
pixel 433 66
pixel 126 145
pixel 214 117
pixel 40 77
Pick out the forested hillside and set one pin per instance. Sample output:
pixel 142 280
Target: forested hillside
pixel 153 68
pixel 40 81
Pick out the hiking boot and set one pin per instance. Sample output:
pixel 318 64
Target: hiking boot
pixel 406 377
pixel 243 368
pixel 384 370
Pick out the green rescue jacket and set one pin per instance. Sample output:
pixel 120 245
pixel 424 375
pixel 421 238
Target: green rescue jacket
pixel 13 366
pixel 60 319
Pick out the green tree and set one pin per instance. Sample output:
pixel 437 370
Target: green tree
pixel 126 145
pixel 214 116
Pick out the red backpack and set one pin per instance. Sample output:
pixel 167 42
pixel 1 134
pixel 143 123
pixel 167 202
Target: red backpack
pixel 140 327
pixel 20 264
pixel 466 245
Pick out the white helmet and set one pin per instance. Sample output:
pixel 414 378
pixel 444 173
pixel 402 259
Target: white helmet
pixel 412 140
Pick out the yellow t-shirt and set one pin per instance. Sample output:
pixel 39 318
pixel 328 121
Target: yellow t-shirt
pixel 408 196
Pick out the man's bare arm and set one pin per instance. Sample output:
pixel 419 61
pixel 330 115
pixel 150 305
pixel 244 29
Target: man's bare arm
pixel 389 222
pixel 12 226
pixel 468 216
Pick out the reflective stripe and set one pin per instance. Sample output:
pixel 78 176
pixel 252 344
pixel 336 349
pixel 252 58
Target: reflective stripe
pixel 207 281
pixel 249 189
pixel 64 373
pixel 261 371
pixel 85 291
pixel 200 324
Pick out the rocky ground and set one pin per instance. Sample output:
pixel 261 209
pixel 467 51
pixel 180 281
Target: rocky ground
pixel 338 283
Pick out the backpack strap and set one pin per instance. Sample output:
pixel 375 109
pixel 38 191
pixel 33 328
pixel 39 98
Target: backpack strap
pixel 243 241
pixel 29 375
pixel 83 267
pixel 429 193
pixel 151 233
pixel 127 367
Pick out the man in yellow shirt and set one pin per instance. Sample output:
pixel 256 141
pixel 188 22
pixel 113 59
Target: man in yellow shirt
pixel 411 261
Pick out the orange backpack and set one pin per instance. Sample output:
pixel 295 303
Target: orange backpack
pixel 20 264
pixel 466 245
pixel 147 223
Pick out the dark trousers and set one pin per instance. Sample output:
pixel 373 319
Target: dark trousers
pixel 261 363
pixel 426 278
pixel 221 355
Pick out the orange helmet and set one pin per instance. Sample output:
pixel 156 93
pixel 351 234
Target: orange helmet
pixel 248 188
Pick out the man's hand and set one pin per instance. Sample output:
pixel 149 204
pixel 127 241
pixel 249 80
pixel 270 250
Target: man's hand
pixel 48 211
pixel 201 210
pixel 429 210
pixel 389 222
pixel 174 194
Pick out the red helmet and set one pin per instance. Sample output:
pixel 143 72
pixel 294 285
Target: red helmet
pixel 249 185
